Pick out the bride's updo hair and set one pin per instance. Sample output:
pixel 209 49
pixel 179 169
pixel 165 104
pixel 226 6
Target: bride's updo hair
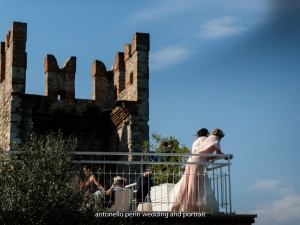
pixel 202 132
pixel 219 133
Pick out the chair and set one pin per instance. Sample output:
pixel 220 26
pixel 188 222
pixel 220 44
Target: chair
pixel 123 200
pixel 134 200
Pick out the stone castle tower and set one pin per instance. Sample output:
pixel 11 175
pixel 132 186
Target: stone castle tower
pixel 116 119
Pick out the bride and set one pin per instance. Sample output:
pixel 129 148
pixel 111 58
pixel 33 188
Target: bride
pixel 193 192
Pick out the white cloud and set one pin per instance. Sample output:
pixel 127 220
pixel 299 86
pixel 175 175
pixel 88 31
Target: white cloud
pixel 283 211
pixel 221 28
pixel 268 185
pixel 286 191
pixel 168 56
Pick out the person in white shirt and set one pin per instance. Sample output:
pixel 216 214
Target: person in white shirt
pixel 202 135
pixel 118 185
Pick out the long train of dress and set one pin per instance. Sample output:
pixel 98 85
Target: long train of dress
pixel 193 192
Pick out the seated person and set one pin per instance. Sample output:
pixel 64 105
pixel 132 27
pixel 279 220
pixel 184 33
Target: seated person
pixel 91 184
pixel 118 185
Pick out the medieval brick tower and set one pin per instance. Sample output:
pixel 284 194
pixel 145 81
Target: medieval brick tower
pixel 116 119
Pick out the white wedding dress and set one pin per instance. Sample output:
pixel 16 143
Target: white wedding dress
pixel 206 201
pixel 193 192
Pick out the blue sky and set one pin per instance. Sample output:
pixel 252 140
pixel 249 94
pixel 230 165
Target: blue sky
pixel 229 64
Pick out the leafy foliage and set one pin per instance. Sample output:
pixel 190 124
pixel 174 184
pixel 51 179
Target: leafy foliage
pixel 35 188
pixel 167 173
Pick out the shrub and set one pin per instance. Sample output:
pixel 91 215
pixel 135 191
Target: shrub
pixel 34 188
pixel 166 173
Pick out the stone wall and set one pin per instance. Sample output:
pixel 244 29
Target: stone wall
pixel 133 86
pixel 12 87
pixel 115 119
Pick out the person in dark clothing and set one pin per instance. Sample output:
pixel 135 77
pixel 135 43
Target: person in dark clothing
pixel 143 181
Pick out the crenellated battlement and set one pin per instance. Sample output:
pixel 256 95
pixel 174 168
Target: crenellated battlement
pixel 13 57
pixel 93 122
pixel 131 69
pixel 60 82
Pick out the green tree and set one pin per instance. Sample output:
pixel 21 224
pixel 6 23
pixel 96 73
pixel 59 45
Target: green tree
pixel 34 187
pixel 167 173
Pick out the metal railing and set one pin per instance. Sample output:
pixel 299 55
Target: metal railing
pixel 164 175
pixel 128 165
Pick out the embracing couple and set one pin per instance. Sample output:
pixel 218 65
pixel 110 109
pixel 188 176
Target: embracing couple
pixel 193 192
